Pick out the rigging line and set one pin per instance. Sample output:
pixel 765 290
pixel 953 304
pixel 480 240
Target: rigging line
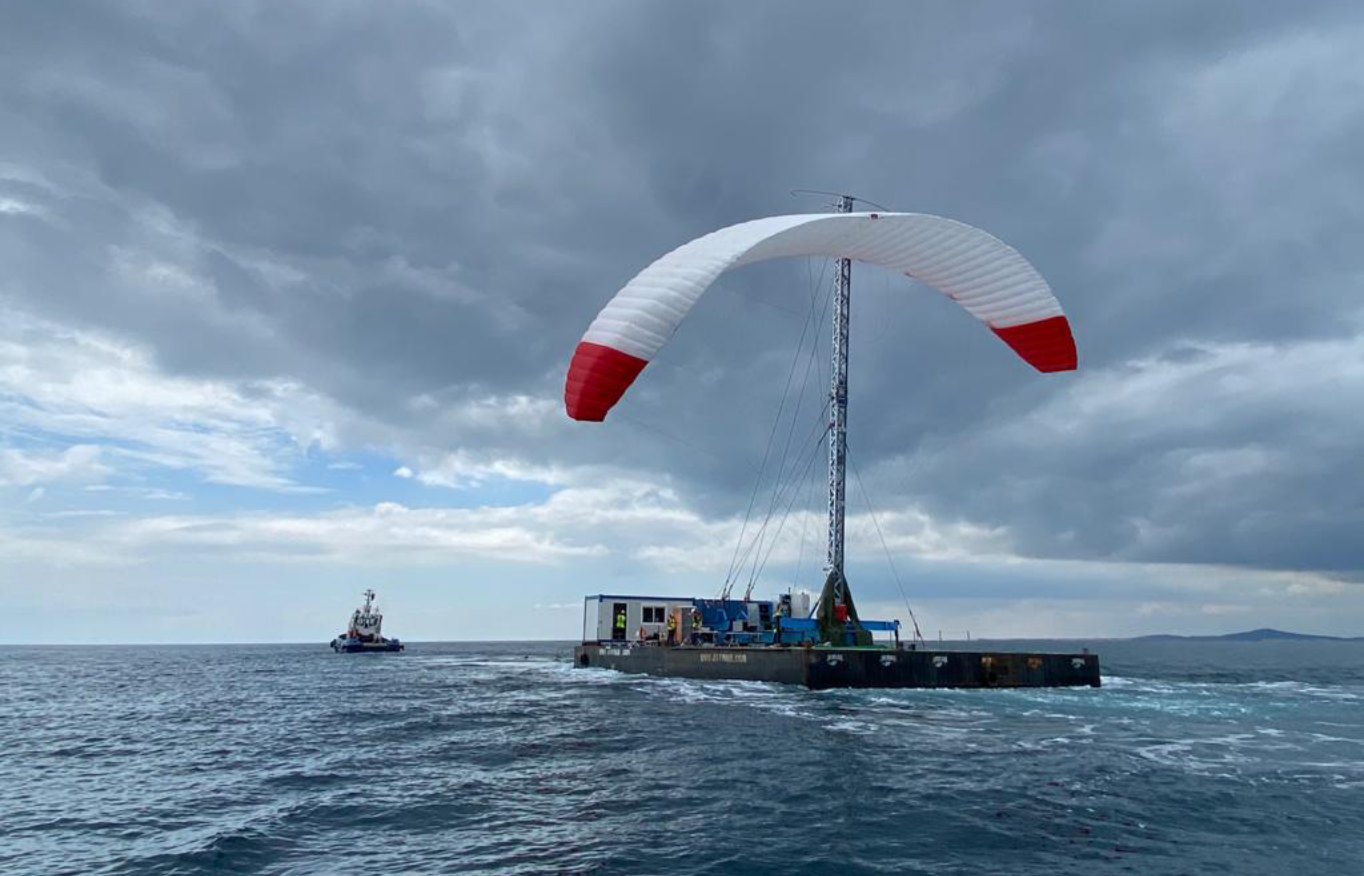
pixel 815 285
pixel 776 421
pixel 918 636
pixel 823 380
pixel 805 476
pixel 818 433
pixel 804 526
pixel 820 423
pixel 800 401
pixel 735 564
pixel 772 546
pixel 754 546
pixel 810 497
pixel 621 415
pixel 817 424
pixel 793 487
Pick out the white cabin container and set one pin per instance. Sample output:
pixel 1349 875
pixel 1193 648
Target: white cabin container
pixel 648 614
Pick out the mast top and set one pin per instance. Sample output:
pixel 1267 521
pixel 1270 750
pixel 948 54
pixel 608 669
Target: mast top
pixel 843 197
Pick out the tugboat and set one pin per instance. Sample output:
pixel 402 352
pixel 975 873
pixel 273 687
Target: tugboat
pixel 783 640
pixel 364 635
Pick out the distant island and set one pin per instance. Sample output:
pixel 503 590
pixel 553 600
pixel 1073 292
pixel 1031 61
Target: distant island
pixel 1261 635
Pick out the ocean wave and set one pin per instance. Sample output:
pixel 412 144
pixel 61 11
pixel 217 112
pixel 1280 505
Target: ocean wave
pixel 509 760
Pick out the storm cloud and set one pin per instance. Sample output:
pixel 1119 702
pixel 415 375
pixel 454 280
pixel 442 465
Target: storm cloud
pixel 335 229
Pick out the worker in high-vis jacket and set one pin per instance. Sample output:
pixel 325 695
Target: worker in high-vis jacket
pixel 672 629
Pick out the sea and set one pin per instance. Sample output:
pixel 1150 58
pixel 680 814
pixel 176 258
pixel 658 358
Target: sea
pixel 1192 758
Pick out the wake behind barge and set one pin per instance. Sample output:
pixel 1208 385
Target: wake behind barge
pixel 762 641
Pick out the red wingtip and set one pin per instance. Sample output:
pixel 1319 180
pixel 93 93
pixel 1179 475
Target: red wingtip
pixel 597 377
pixel 1046 345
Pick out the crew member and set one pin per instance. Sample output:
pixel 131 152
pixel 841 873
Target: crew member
pixel 672 629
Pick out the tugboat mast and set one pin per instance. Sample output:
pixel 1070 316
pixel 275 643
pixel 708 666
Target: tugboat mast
pixel 838 414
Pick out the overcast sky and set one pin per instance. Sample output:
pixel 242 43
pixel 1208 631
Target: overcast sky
pixel 288 291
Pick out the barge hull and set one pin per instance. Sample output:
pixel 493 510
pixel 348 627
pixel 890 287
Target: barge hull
pixel 823 668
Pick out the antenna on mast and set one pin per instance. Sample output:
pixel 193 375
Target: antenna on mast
pixel 837 205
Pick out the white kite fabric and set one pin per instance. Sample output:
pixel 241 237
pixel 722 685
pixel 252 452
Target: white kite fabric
pixel 977 270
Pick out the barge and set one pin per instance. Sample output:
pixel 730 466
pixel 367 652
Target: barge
pixel 785 650
pixel 784 640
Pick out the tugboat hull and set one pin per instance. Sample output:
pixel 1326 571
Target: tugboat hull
pixel 822 668
pixel 343 646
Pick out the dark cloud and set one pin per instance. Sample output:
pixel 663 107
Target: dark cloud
pixel 394 201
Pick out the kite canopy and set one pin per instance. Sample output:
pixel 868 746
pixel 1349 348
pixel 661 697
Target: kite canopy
pixel 978 271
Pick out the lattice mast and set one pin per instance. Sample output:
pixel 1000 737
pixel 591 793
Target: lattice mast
pixel 838 408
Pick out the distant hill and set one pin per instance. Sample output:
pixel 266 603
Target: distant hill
pixel 1261 635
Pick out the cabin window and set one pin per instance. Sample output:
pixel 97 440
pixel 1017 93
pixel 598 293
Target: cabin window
pixel 654 614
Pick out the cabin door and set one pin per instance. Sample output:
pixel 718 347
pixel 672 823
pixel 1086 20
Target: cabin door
pixel 618 622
